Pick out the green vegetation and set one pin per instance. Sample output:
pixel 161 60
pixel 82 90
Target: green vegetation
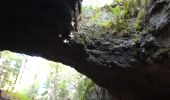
pixel 84 87
pixel 125 17
pixel 17 96
pixel 33 78
pixel 119 22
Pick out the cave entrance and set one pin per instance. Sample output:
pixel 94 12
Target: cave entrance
pixel 39 79
pixel 25 77
pixel 34 78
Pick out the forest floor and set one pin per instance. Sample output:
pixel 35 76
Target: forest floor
pixel 5 95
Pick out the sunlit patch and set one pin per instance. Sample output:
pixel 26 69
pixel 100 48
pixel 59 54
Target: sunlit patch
pixel 35 68
pixel 65 41
pixel 96 3
pixel 71 35
pixel 40 78
pixel 59 35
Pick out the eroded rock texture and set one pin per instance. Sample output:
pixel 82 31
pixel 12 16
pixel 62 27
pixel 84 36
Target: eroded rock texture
pixel 129 70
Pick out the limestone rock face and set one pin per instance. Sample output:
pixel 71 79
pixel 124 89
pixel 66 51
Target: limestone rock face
pixel 129 70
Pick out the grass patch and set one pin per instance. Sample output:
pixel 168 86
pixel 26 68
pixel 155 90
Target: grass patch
pixel 17 96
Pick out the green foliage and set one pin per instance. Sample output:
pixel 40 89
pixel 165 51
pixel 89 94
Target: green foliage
pixel 96 14
pixel 138 23
pixel 123 11
pixel 17 96
pixel 105 24
pixel 130 6
pixel 85 85
pixel 61 83
pixel 32 92
pixel 87 8
pixel 131 9
pixel 9 69
pixel 119 22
